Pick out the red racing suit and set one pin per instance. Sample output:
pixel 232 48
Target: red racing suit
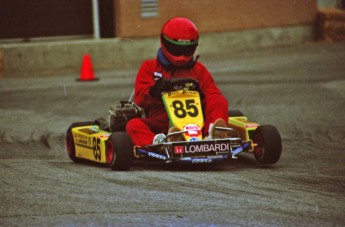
pixel 143 130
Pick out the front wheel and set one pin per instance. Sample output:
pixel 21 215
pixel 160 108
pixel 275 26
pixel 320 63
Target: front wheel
pixel 268 144
pixel 119 151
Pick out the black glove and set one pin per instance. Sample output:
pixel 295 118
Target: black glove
pixel 159 87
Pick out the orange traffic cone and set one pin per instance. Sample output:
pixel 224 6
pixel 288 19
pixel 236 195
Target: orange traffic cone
pixel 86 72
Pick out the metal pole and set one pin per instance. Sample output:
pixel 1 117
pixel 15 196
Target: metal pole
pixel 96 32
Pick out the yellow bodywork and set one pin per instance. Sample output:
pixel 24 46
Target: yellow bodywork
pixel 90 143
pixel 185 112
pixel 243 128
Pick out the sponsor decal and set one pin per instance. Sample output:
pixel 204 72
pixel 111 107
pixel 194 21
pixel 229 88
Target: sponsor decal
pixel 82 141
pixel 218 147
pixel 88 131
pixel 193 139
pixel 173 93
pixel 159 138
pixel 179 149
pixel 202 160
pixel 157 75
pixel 183 40
pixel 93 144
pixel 154 155
pixel 202 148
pixel 237 151
pixel 82 137
pixel 192 130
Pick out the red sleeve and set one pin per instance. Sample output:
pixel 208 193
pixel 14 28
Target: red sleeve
pixel 143 82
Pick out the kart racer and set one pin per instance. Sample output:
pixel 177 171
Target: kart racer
pixel 175 59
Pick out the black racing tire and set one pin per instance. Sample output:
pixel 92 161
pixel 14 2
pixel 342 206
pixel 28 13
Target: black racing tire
pixel 70 146
pixel 269 144
pixel 235 113
pixel 119 151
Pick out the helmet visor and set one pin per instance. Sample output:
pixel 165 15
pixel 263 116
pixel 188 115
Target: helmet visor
pixel 178 48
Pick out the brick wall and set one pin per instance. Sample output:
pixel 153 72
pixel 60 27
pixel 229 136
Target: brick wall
pixel 331 25
pixel 214 15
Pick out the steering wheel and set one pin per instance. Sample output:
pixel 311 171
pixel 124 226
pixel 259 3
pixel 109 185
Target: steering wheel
pixel 186 83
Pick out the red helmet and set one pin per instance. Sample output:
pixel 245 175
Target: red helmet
pixel 179 39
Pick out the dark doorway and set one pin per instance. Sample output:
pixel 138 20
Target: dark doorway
pixel 36 18
pixel 107 18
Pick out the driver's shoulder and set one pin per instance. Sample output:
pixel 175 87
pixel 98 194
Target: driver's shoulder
pixel 149 63
pixel 199 66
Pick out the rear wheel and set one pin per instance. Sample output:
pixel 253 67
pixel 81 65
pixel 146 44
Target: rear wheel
pixel 119 151
pixel 268 144
pixel 70 146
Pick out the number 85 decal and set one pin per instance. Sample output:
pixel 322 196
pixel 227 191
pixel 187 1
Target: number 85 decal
pixel 96 147
pixel 181 110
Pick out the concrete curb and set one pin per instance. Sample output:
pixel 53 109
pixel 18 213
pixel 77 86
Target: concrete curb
pixel 49 58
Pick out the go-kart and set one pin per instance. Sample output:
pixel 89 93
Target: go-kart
pixel 107 142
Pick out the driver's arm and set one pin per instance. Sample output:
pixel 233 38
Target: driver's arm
pixel 143 83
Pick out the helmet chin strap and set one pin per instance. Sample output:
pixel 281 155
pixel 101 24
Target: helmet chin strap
pixel 167 64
